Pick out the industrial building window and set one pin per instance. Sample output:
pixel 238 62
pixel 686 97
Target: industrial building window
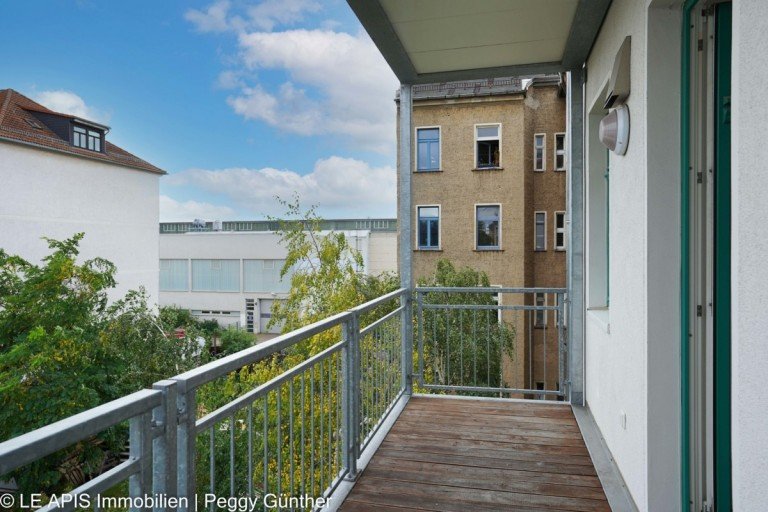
pixel 86 139
pixel 428 148
pixel 488 146
pixel 540 319
pixel 216 275
pixel 488 226
pixel 539 152
pixel 559 151
pixel 429 227
pixel 559 231
pixel 264 276
pixel 540 231
pixel 174 275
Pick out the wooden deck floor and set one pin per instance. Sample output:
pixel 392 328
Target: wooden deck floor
pixel 448 455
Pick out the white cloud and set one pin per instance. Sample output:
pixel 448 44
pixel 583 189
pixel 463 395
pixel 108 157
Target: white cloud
pixel 338 83
pixel 339 186
pixel 70 103
pixel 354 86
pixel 186 211
pixel 212 19
pixel 269 13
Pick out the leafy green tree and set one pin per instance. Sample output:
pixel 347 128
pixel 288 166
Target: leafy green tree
pixel 65 349
pixel 463 346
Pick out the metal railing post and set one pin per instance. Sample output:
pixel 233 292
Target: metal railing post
pixel 186 405
pixel 420 333
pixel 406 332
pixel 350 393
pixel 140 448
pixel 164 447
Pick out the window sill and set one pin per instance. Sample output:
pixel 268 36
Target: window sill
pixel 488 250
pixel 481 169
pixel 539 170
pixel 427 171
pixel 559 170
pixel 560 250
pixel 427 249
pixel 539 250
pixel 601 317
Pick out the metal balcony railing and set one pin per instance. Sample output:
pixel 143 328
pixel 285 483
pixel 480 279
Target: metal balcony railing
pixel 303 432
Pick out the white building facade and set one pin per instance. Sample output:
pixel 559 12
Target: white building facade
pixel 233 277
pixel 51 188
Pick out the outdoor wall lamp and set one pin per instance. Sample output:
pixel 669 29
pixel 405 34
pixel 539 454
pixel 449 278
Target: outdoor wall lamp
pixel 614 128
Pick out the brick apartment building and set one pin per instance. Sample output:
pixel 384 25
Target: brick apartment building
pixel 489 192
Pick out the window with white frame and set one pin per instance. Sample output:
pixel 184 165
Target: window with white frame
pixel 559 231
pixel 488 226
pixel 496 296
pixel 264 276
pixel 174 275
pixel 487 146
pixel 539 152
pixel 540 231
pixel 540 318
pixel 559 151
pixel 216 275
pixel 428 227
pixel 428 148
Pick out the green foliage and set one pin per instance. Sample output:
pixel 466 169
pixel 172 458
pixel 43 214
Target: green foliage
pixel 463 347
pixel 64 350
pixel 234 340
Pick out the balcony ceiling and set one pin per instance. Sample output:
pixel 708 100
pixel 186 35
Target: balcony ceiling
pixel 429 41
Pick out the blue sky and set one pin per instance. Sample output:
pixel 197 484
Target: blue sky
pixel 238 100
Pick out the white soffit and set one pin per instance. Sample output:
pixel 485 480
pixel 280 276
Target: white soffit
pixel 450 35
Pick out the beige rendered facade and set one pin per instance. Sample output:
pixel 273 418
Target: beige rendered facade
pixel 487 149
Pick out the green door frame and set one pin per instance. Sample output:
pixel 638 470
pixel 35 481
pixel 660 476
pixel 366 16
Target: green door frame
pixel 722 260
pixel 722 256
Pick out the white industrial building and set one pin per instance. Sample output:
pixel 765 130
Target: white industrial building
pixel 230 271
pixel 60 176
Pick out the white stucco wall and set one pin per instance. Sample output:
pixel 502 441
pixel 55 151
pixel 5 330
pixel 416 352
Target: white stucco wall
pixel 43 193
pixel 616 358
pixel 749 285
pixel 378 250
pixel 383 253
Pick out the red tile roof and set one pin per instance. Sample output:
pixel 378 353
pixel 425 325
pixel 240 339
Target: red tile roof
pixel 18 124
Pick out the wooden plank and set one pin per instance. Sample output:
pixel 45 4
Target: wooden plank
pixel 450 431
pixel 460 449
pixel 424 504
pixel 470 426
pixel 466 440
pixel 498 462
pixel 513 421
pixel 400 493
pixel 539 408
pixel 483 473
pixel 491 418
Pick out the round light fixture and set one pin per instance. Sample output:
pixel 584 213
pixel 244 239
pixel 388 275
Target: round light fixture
pixel 614 130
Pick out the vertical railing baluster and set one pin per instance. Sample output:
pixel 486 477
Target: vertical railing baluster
pixel 544 336
pixel 232 455
pixel 279 439
pixel 212 461
pixel 250 450
pixel 420 328
pixel 186 401
pixel 140 448
pixel 406 330
pixel 164 447
pixel 291 491
pixel 265 436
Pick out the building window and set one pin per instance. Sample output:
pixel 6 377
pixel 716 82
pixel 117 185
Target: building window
pixel 488 146
pixel 429 227
pixel 488 226
pixel 216 275
pixel 540 319
pixel 428 149
pixel 86 139
pixel 539 152
pixel 559 151
pixel 174 275
pixel 559 231
pixel 264 276
pixel 540 231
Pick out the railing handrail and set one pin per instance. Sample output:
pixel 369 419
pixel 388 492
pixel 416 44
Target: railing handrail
pixel 27 448
pixel 211 371
pixel 485 289
pixel 215 369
